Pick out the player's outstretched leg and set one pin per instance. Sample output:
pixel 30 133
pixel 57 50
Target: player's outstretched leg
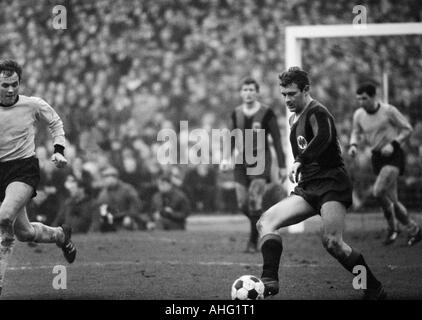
pixel 333 214
pixel 39 233
pixel 17 194
pixel 6 246
pixel 290 210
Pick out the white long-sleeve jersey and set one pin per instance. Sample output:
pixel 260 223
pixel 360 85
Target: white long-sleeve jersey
pixel 17 127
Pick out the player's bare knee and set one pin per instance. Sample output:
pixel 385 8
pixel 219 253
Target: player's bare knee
pixel 264 224
pixel 378 192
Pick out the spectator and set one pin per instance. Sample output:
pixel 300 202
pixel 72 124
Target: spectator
pixel 118 201
pixel 78 208
pixel 200 184
pixel 170 205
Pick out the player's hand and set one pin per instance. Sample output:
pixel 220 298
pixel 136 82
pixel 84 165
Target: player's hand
pixel 387 150
pixel 282 174
pixel 294 174
pixel 225 165
pixel 352 151
pixel 59 160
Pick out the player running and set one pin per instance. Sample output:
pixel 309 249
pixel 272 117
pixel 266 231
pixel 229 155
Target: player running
pixel 250 184
pixel 19 168
pixel 385 129
pixel 323 186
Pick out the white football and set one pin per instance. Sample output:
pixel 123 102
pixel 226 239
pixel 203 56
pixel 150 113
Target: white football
pixel 248 287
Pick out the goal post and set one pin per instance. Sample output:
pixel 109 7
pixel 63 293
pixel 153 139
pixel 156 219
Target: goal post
pixel 293 56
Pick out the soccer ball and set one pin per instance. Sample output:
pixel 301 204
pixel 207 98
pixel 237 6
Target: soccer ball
pixel 248 287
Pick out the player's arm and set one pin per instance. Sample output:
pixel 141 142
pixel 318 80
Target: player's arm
pixel 322 131
pixel 354 136
pixel 55 125
pixel 274 131
pixel 399 120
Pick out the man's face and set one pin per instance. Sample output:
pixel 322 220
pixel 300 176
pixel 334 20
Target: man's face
pixel 110 180
pixel 9 87
pixel 294 97
pixel 164 186
pixel 248 93
pixel 365 101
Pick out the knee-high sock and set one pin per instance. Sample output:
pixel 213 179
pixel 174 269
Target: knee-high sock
pixel 6 247
pixel 46 234
pixel 404 218
pixel 271 249
pixel 355 259
pixel 390 216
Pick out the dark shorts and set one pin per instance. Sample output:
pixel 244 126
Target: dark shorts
pixel 328 185
pixel 241 176
pixel 21 170
pixel 396 159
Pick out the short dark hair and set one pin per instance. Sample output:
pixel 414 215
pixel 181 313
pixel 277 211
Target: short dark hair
pixel 166 176
pixel 250 80
pixel 10 66
pixel 294 75
pixel 368 88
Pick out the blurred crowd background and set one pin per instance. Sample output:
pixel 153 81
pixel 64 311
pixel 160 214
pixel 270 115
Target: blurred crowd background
pixel 123 70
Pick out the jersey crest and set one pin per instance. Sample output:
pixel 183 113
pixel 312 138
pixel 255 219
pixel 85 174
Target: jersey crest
pixel 302 143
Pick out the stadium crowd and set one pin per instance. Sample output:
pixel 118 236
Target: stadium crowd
pixel 124 70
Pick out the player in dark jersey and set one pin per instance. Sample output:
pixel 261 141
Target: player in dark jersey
pixel 251 178
pixel 323 186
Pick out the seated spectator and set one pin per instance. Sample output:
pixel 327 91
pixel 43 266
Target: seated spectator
pixel 200 184
pixel 77 210
pixel 118 205
pixel 170 206
pixel 130 171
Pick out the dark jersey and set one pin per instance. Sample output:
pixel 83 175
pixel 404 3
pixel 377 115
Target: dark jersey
pixel 265 119
pixel 314 141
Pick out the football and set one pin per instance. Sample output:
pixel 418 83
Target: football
pixel 248 287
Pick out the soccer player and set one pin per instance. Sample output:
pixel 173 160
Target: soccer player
pixel 323 186
pixel 250 185
pixel 385 129
pixel 19 168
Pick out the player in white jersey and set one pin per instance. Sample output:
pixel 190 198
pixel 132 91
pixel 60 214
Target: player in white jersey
pixel 19 168
pixel 385 129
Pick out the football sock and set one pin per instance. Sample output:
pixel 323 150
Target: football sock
pixel 390 215
pixel 271 248
pixel 356 259
pixel 7 240
pixel 402 215
pixel 253 219
pixel 46 234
